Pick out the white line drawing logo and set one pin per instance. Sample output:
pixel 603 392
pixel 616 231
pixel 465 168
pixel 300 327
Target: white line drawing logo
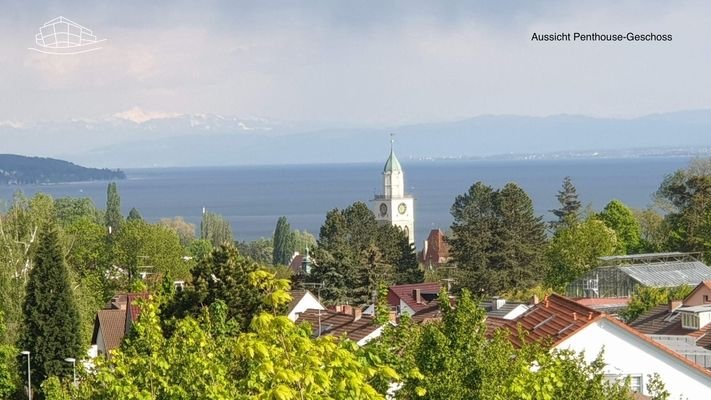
pixel 61 36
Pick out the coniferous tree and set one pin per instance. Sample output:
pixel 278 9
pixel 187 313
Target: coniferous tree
pixel 569 203
pixel 283 242
pixel 113 217
pixel 51 330
pixel 134 215
pixel 497 242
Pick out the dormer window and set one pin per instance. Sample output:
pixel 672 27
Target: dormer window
pixel 695 317
pixel 689 320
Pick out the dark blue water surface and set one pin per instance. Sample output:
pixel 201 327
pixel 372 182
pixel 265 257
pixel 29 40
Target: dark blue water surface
pixel 252 198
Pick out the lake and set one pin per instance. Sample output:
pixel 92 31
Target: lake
pixel 252 198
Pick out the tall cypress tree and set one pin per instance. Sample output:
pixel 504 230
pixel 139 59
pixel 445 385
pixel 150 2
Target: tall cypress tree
pixel 113 217
pixel 569 203
pixel 51 330
pixel 283 242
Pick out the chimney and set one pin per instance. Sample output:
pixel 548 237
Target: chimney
pixel 534 300
pixel 417 294
pixel 339 308
pixel 357 313
pixel 674 304
pixel 497 303
pixel 347 309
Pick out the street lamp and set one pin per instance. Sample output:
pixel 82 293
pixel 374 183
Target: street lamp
pixel 74 367
pixel 29 379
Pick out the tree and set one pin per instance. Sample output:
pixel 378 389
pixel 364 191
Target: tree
pixel 283 242
pixel 134 215
pixel 260 250
pixel 686 194
pixel 216 229
pixel 221 276
pixel 8 365
pixel 497 242
pixel 113 217
pixel 206 359
pixel 569 204
pixel 653 231
pixel 69 209
pixel 351 242
pixel 141 244
pixel 303 240
pixel 184 229
pixel 645 298
pixel 458 360
pixel 86 244
pixel 620 218
pixel 51 330
pixel 575 249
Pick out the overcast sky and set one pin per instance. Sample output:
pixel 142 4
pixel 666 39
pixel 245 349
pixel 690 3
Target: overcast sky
pixel 364 62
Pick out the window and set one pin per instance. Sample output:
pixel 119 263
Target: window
pixel 636 383
pixel 706 298
pixel 689 320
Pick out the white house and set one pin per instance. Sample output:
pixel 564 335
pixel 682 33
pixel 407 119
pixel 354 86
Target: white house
pixel 566 324
pixel 302 300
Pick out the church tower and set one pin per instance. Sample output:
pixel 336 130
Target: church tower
pixel 394 206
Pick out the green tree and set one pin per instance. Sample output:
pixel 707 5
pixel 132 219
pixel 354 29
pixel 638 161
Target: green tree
pixel 260 250
pixel 8 365
pixel 653 231
pixel 347 243
pixel 687 196
pixel 575 249
pixel 569 210
pixel 497 242
pixel 216 229
pixel 134 215
pixel 113 217
pixel 283 242
pixel 620 218
pixel 221 276
pixel 86 244
pixel 139 244
pixel 303 240
pixel 645 298
pixel 69 209
pixel 51 330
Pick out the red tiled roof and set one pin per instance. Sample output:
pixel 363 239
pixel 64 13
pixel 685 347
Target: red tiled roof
pixel 549 322
pixel 405 293
pixel 338 324
pixel 111 324
pixel 603 302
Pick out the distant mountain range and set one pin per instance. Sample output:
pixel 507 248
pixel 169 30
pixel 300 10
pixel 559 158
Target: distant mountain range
pixel 139 139
pixel 16 170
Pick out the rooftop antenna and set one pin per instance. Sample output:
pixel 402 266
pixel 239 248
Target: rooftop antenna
pixel 392 142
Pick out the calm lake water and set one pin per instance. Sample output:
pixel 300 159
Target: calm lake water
pixel 252 198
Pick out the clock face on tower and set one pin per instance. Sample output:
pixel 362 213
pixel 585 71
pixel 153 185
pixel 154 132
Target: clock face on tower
pixel 402 208
pixel 383 209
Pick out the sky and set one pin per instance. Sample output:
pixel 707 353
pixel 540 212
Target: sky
pixel 354 62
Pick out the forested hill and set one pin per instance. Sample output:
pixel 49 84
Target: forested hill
pixel 18 170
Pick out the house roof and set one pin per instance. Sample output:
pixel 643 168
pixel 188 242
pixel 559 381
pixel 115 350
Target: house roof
pixel 338 324
pixel 295 264
pixel 392 164
pixel 549 322
pixel 660 321
pixel 611 305
pixel 428 292
pixel 437 249
pixel 296 297
pixel 550 317
pixel 111 324
pixel 502 311
pixel 668 273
